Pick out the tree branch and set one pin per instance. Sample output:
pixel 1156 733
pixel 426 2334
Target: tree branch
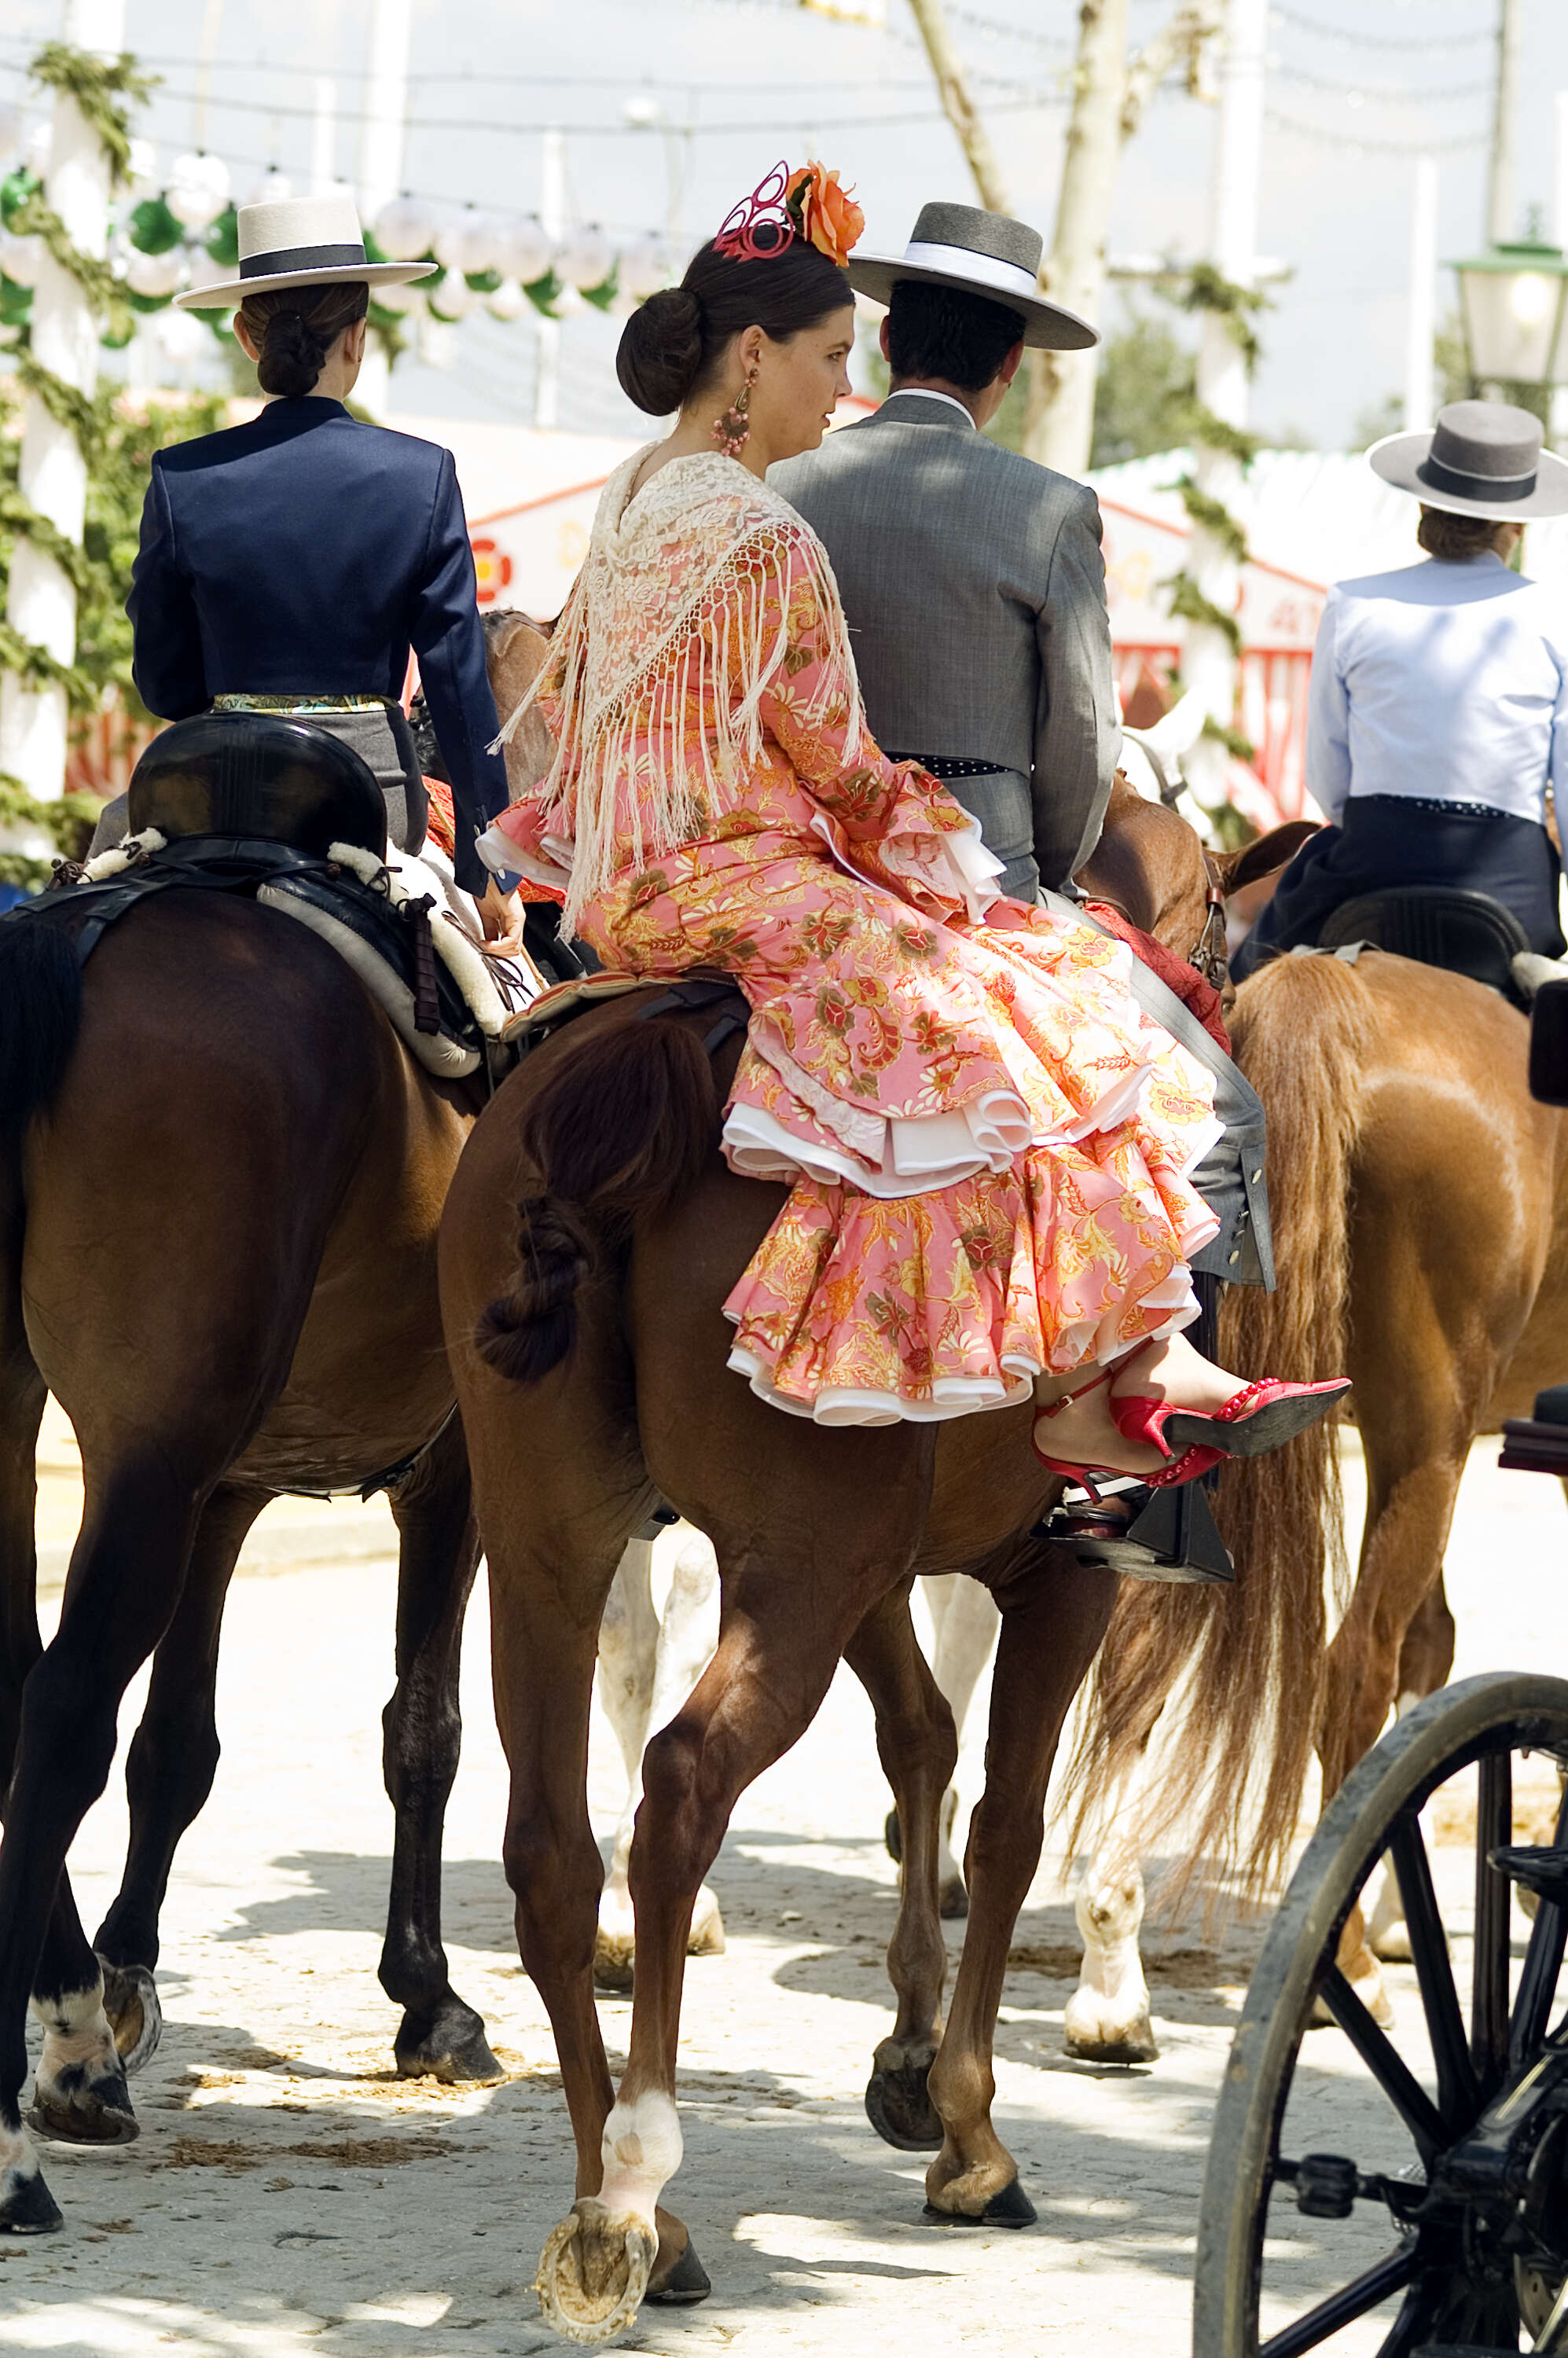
pixel 959 106
pixel 1194 23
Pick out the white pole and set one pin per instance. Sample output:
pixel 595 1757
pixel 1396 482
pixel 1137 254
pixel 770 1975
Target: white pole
pixel 41 603
pixel 324 137
pixel 553 215
pixel 1421 319
pixel 390 40
pixel 1559 425
pixel 1209 664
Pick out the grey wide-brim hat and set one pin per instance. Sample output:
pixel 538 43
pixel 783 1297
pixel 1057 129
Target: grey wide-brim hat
pixel 299 242
pixel 980 254
pixel 1482 458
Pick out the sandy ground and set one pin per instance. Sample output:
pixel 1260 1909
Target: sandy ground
pixel 289 2196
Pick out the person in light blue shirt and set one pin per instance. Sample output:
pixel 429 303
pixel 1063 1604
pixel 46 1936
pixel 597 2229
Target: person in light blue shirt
pixel 1437 724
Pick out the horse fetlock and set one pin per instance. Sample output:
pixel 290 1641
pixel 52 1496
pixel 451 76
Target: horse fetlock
pixel 1106 2018
pixel 980 2189
pixel 1102 2027
pixel 79 2090
pixel 594 2271
pixel 1388 1934
pixel 615 1940
pixel 641 2152
pixel 26 2206
pixel 135 2016
pixel 898 2095
pixel 446 2042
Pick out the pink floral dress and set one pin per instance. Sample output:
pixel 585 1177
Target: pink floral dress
pixel 987 1144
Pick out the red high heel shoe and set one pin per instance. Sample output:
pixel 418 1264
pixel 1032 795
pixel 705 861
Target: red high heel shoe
pixel 1184 1469
pixel 1263 1416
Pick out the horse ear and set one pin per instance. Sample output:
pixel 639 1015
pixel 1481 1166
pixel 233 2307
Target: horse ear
pixel 1265 858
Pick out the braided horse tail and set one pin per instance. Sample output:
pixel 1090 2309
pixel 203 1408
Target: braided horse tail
pixel 1249 1659
pixel 623 1125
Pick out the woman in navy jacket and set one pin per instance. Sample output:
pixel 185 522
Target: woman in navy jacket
pixel 289 564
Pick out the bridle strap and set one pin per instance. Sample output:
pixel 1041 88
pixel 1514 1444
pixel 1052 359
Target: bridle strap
pixel 1211 952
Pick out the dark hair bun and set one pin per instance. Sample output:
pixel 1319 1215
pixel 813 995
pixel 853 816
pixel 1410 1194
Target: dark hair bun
pixel 660 357
pixel 291 357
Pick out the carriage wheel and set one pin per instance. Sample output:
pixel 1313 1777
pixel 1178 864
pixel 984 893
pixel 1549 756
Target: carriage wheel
pixel 1437 2224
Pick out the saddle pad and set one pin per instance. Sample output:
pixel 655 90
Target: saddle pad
pixel 567 999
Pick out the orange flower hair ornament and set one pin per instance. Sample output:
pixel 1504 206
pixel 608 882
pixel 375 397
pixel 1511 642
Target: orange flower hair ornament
pixel 807 203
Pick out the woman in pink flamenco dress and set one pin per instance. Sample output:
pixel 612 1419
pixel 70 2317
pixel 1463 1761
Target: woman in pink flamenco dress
pixel 987 1144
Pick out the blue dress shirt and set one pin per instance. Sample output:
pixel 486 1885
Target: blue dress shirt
pixel 1441 680
pixel 304 553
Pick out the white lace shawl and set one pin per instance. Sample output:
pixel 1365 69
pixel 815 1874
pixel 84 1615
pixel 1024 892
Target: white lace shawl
pixel 673 629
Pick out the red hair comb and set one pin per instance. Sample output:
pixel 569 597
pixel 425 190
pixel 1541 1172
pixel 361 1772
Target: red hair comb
pixel 760 224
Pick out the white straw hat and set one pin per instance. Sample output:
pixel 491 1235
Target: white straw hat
pixel 300 242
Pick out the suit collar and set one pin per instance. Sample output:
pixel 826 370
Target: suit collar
pixel 911 407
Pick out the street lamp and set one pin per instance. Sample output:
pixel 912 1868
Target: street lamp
pixel 1514 298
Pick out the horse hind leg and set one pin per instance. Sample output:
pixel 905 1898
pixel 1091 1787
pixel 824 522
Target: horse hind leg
pixel 1426 1658
pixel 1107 2018
pixel 965 1622
pixel 918 1746
pixel 440 2037
pixel 169 1769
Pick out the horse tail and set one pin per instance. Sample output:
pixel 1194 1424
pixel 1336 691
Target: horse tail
pixel 1249 1659
pixel 618 1131
pixel 40 991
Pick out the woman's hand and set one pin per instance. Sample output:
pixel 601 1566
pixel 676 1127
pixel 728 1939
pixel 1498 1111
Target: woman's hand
pixel 501 914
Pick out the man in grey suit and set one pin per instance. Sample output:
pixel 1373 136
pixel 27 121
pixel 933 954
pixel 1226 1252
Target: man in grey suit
pixel 971 578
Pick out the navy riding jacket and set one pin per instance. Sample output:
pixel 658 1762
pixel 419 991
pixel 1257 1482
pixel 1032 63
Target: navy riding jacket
pixel 304 553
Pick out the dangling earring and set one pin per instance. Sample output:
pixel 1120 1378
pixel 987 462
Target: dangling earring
pixel 730 428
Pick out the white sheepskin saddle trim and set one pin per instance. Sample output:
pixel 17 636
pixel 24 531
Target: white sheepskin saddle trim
pixel 125 854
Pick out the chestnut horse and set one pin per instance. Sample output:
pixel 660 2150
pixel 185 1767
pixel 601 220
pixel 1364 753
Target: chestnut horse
pixel 589 1361
pixel 1419 1199
pixel 220 1176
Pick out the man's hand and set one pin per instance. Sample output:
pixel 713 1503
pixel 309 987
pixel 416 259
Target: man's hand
pixel 501 914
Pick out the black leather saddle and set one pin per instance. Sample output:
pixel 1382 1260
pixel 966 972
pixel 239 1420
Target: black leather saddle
pixel 259 776
pixel 1468 933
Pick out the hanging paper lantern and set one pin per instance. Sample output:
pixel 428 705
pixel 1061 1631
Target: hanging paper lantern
pixel 181 338
pixel 568 302
pixel 206 270
pixel 410 300
pixel 405 229
pixel 154 273
pixel 35 152
pixel 644 268
pixel 141 169
pixel 507 301
pixel 22 259
pixel 452 298
pixel 586 259
pixel 13 136
pixel 152 228
pixel 273 188
pixel 525 252
pixel 198 189
pixel 622 304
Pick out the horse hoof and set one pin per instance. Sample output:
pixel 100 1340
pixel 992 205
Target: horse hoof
pixel 135 2017
pixel 898 2100
pixel 1010 2207
pixel 74 2110
pixel 953 1901
pixel 594 2271
pixel 893 1838
pixel 1097 2040
pixel 449 2045
pixel 614 1959
pixel 687 2283
pixel 706 1937
pixel 26 2206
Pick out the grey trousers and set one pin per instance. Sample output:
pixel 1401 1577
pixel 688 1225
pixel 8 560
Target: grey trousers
pixel 384 742
pixel 1001 801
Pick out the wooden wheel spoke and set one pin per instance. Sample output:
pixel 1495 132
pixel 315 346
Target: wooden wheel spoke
pixel 1458 2091
pixel 1411 2328
pixel 1542 1964
pixel 1343 2307
pixel 1398 2081
pixel 1494 1902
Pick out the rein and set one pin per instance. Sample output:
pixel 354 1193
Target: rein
pixel 1210 954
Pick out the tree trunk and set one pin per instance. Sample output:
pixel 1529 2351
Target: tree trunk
pixel 1060 425
pixel 959 106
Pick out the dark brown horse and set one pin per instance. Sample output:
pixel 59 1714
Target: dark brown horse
pixel 221 1177
pixel 589 1359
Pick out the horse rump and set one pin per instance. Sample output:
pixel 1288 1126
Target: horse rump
pixel 619 1130
pixel 40 994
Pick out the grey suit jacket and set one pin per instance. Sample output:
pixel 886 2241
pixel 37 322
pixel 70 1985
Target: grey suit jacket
pixel 975 592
